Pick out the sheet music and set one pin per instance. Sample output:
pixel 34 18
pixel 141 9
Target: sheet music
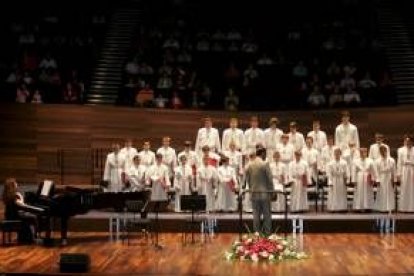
pixel 278 187
pixel 47 185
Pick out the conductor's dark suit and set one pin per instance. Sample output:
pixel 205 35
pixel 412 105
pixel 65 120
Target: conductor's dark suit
pixel 259 178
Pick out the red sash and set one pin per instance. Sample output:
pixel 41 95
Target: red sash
pixel 232 185
pixel 304 180
pixel 212 162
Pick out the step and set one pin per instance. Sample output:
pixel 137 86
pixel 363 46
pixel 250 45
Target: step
pixel 110 82
pixel 101 96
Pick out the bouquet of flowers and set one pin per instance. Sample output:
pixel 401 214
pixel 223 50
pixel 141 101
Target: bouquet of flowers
pixel 256 247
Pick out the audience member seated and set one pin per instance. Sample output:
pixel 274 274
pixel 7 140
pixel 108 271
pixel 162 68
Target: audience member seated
pixel 145 97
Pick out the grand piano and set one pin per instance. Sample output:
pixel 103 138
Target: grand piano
pixel 64 202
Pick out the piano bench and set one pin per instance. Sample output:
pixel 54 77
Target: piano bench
pixel 7 228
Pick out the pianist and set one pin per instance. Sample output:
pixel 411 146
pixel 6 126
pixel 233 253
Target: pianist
pixel 14 206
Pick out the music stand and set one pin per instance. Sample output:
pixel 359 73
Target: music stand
pixel 156 206
pixel 193 203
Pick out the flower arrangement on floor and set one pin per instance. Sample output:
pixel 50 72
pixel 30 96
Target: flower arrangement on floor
pixel 256 247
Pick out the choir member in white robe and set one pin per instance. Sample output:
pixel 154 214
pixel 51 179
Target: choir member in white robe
pixel 190 155
pixel 346 133
pixel 213 158
pixel 146 155
pixel 233 134
pixel 406 176
pixel 235 159
pixel 169 157
pixel 207 177
pixel 114 168
pixel 350 154
pixel 272 137
pixel 279 175
pixel 374 149
pixel 135 174
pixel 311 156
pixel 386 177
pixel 227 187
pixel 286 150
pixel 327 154
pixel 183 182
pixel 128 153
pixel 298 175
pixel 207 136
pixel 363 176
pixel 157 176
pixel 295 137
pixel 253 136
pixel 338 176
pixel 318 136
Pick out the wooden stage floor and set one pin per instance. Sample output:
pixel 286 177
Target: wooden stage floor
pixel 329 254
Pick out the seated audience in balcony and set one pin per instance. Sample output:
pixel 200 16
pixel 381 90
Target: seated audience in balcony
pixel 336 98
pixel 231 101
pixel 22 94
pixel 37 97
pixel 316 98
pixel 352 98
pixel 145 97
pixel 70 94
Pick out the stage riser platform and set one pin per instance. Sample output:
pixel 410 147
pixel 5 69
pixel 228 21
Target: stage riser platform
pixel 232 226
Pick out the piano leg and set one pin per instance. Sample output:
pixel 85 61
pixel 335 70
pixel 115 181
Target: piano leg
pixel 64 230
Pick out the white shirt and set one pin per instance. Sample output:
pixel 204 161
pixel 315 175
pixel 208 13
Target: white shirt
pixel 345 134
pixel 297 140
pixel 169 157
pixel 191 157
pixel 128 153
pixel 147 157
pixel 207 137
pixel 235 160
pixel 253 137
pixel 319 139
pixel 272 138
pixel 286 152
pixel 236 135
pixel 374 152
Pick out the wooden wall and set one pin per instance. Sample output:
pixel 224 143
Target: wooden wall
pixel 37 141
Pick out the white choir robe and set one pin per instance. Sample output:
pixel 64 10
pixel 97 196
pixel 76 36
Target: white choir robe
pixel 114 167
pixel 350 155
pixel 287 153
pixel 311 156
pixel 374 152
pixel 271 141
pixel 136 177
pixel 297 140
pixel 212 156
pixel 183 184
pixel 128 154
pixel 252 138
pixel 169 159
pixel 147 158
pixel 235 160
pixel 226 198
pixel 345 134
pixel 338 175
pixel 279 175
pixel 364 175
pixel 235 135
pixel 157 176
pixel 207 137
pixel 191 158
pixel 319 139
pixel 298 174
pixel 386 176
pixel 327 155
pixel 406 173
pixel 206 184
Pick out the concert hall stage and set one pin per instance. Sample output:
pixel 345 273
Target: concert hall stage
pixel 229 222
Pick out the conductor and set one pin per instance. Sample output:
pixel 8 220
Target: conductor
pixel 259 178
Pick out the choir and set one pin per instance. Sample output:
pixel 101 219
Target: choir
pixel 216 167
